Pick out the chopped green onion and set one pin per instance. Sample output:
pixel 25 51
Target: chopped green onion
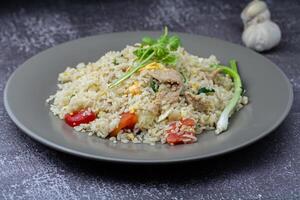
pixel 115 62
pixel 154 85
pixel 205 90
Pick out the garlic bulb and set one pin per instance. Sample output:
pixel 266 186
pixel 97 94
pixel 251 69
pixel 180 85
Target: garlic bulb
pixel 262 36
pixel 260 33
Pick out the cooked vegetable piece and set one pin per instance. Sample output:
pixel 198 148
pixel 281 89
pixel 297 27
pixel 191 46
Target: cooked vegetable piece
pixel 185 138
pixel 184 76
pixel 232 71
pixel 233 65
pixel 188 122
pixel 115 62
pixel 127 121
pixel 181 132
pixel 83 116
pixel 154 85
pixel 205 90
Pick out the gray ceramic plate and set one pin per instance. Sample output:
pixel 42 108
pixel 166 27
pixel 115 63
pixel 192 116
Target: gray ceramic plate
pixel 30 85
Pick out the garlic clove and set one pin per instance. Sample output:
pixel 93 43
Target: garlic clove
pixel 253 9
pixel 261 17
pixel 262 36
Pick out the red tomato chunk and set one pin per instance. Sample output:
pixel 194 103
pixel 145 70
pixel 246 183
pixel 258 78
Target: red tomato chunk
pixel 181 132
pixel 84 116
pixel 127 121
pixel 188 122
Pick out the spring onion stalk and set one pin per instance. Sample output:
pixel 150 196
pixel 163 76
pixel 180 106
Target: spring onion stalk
pixel 222 123
pixel 233 65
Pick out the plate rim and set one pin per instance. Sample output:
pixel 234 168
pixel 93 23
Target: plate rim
pixel 75 152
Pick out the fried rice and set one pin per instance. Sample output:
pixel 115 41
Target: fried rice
pixel 177 97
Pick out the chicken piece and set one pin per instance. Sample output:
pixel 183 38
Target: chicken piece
pixel 167 76
pixel 153 107
pixel 167 97
pixel 198 102
pixel 169 94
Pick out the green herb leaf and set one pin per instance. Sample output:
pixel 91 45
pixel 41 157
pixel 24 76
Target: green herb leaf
pixel 154 85
pixel 138 52
pixel 115 62
pixel 205 90
pixel 160 50
pixel 147 41
pixel 170 59
pixel 73 95
pixel 243 91
pixel 174 43
pixel 184 77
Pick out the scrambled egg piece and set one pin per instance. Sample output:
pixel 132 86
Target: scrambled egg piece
pixel 135 88
pixel 134 108
pixel 195 86
pixel 153 65
pixel 130 136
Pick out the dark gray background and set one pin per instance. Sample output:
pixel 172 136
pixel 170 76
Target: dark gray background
pixel 268 169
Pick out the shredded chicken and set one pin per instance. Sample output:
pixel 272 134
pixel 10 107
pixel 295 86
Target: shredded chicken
pixel 167 97
pixel 198 102
pixel 153 107
pixel 167 76
pixel 171 77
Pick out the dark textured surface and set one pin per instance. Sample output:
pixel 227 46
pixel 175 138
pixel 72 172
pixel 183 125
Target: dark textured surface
pixel 268 169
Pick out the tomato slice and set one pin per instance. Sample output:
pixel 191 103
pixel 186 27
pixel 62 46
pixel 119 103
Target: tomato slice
pixel 172 127
pixel 127 121
pixel 177 134
pixel 83 116
pixel 184 138
pixel 174 138
pixel 188 122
